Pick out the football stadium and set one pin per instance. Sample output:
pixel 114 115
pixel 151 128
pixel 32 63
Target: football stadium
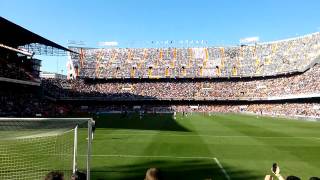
pixel 159 111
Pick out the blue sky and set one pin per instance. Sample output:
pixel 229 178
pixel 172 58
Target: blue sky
pixel 136 22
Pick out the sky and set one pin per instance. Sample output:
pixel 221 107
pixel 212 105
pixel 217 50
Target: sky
pixel 134 23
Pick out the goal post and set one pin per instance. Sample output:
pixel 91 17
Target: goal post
pixel 32 147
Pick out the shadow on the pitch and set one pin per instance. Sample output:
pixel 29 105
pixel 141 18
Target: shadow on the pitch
pixel 172 169
pixel 162 122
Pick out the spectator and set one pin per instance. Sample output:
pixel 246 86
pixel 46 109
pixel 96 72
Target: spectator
pixel 276 171
pixel 153 174
pixel 54 176
pixel 314 178
pixel 79 176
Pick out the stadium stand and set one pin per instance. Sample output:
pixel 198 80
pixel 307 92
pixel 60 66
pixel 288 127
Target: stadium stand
pixel 265 59
pixel 284 87
pixel 273 79
pixel 20 90
pixel 278 77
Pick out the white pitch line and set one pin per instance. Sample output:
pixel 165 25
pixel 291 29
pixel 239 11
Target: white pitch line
pixel 170 157
pixel 199 135
pixel 222 169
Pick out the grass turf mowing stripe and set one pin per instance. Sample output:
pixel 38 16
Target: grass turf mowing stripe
pixel 151 156
pixel 199 135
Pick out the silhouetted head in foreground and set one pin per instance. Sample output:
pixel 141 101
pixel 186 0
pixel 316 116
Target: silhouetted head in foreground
pixel 314 178
pixel 54 176
pixel 293 178
pixel 79 176
pixel 153 174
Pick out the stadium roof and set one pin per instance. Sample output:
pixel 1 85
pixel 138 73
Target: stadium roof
pixel 16 36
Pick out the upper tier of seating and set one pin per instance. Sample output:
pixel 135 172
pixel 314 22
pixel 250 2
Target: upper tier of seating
pixel 265 59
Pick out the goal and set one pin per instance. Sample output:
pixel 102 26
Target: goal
pixel 30 148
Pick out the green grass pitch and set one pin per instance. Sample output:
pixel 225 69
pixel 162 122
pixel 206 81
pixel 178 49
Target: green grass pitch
pixel 200 146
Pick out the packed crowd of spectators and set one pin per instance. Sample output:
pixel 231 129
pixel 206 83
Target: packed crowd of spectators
pixel 12 71
pixel 283 109
pixel 28 104
pixel 266 59
pixel 306 83
pixel 17 67
pixel 303 109
pixel 18 104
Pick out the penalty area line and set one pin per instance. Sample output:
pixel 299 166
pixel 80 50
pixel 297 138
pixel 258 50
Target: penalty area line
pixel 222 169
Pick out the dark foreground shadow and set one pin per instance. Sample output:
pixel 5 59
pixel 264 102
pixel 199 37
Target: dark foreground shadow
pixel 162 122
pixel 172 170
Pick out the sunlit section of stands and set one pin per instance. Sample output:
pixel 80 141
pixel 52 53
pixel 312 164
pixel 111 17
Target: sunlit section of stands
pixel 265 59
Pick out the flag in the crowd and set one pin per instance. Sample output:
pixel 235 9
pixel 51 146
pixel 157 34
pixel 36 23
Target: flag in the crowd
pixel 200 71
pixel 218 71
pixel 205 64
pixel 172 64
pixel 206 54
pixel 257 62
pixel 133 72
pixel 139 65
pixel 234 71
pixel 161 54
pixel 222 63
pixel 167 71
pixel 150 72
pixel 268 60
pixel 184 71
pixel 222 52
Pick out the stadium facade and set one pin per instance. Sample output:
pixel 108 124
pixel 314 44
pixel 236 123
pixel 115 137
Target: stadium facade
pixel 275 78
pixel 279 78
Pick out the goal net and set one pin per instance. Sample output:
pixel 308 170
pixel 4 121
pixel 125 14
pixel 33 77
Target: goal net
pixel 30 148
